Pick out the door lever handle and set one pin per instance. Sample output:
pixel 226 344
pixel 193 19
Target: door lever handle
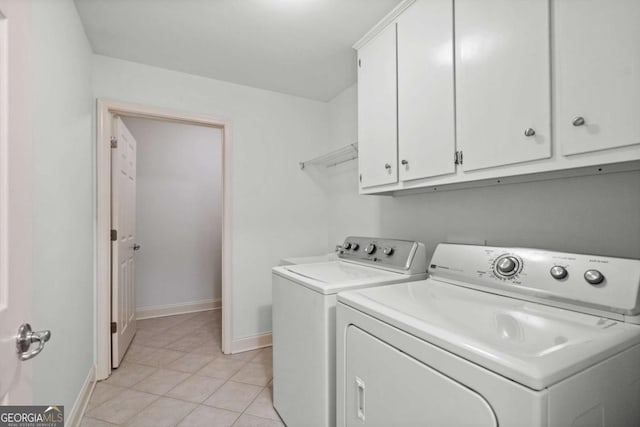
pixel 136 247
pixel 26 337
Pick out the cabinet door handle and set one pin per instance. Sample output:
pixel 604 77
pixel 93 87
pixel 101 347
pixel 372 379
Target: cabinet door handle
pixel 529 132
pixel 387 166
pixel 404 162
pixel 578 121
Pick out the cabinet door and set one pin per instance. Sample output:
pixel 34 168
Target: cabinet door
pixel 597 74
pixel 377 110
pixel 502 81
pixel 426 117
pixel 385 387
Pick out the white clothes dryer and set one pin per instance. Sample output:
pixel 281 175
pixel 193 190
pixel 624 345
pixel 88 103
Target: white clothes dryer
pixel 304 301
pixel 494 336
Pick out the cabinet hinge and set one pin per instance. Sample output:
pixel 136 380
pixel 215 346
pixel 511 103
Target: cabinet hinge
pixel 114 142
pixel 359 63
pixel 360 178
pixel 114 235
pixel 457 159
pixel 114 327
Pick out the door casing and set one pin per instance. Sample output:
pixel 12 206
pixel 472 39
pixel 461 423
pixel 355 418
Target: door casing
pixel 106 109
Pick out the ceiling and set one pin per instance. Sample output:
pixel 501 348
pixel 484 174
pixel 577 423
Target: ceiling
pixel 299 47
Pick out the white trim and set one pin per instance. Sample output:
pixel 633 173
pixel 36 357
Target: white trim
pixel 105 110
pixel 251 343
pixel 80 406
pixel 152 311
pixel 383 23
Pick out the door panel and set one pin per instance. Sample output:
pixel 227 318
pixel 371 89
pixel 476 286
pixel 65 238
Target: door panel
pixel 385 387
pixel 377 110
pixel 16 210
pixel 597 71
pixel 123 194
pixel 426 116
pixel 502 81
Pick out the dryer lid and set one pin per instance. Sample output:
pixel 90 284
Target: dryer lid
pixel 532 344
pixel 336 276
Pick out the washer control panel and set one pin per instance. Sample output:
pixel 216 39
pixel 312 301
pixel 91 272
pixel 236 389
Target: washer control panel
pixel 593 283
pixel 398 255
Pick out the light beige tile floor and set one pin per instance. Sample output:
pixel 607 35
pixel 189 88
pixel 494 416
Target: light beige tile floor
pixel 174 374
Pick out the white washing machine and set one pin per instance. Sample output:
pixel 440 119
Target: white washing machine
pixel 494 336
pixel 304 304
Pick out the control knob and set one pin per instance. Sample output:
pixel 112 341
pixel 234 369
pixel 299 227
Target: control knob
pixel 370 249
pixel 558 272
pixel 355 246
pixel 387 251
pixel 346 245
pixel 594 277
pixel 507 266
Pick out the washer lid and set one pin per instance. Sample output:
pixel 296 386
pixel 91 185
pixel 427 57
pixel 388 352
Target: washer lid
pixel 337 276
pixel 530 343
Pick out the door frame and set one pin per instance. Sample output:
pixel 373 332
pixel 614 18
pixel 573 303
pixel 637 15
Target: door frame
pixel 105 110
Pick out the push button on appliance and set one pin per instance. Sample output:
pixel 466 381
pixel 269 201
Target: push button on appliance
pixel 558 272
pixel 593 277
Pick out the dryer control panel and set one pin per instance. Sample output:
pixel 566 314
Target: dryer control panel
pixel 588 283
pixel 404 256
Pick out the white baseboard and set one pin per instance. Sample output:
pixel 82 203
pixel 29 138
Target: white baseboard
pixel 181 308
pixel 74 417
pixel 251 343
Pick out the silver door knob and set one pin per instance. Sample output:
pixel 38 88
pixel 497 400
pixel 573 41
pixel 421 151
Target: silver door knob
pixel 26 337
pixel 578 121
pixel 529 132
pixel 136 247
pixel 387 166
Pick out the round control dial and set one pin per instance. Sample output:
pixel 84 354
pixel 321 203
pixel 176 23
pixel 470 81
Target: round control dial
pixel 593 277
pixel 346 245
pixel 355 246
pixel 558 272
pixel 507 266
pixel 387 251
pixel 370 249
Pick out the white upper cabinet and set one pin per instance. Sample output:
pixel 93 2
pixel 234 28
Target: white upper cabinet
pixel 597 73
pixel 377 110
pixel 502 81
pixel 426 115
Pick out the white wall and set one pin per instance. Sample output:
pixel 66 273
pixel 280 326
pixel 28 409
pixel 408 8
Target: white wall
pixel 178 212
pixel 594 214
pixel 63 191
pixel 277 209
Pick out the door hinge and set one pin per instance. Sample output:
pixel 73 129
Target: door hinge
pixel 114 327
pixel 457 159
pixel 114 235
pixel 114 142
pixel 360 178
pixel 359 63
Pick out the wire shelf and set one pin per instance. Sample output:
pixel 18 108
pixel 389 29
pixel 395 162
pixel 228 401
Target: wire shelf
pixel 334 158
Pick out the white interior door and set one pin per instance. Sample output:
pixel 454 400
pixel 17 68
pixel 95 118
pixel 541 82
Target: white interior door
pixel 15 201
pixel 123 230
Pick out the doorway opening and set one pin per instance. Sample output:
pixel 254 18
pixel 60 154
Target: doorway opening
pixel 126 131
